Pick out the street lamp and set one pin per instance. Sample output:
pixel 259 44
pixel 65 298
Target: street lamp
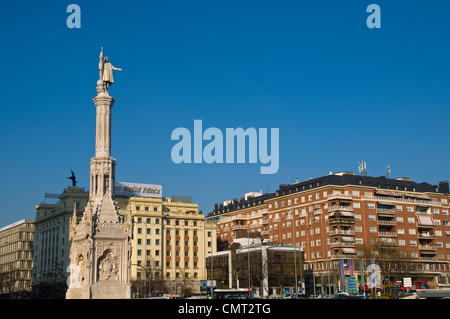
pixel 293 246
pixel 148 273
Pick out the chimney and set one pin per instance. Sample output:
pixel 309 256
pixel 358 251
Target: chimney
pixel 443 187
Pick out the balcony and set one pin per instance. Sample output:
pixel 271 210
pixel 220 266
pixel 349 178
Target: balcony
pixel 383 222
pixel 403 200
pixel 423 235
pixel 341 221
pixel 388 242
pixel 343 256
pixel 341 232
pixel 427 247
pixel 428 258
pixel 342 244
pixel 342 208
pixel 339 195
pixel 387 234
pixel 386 211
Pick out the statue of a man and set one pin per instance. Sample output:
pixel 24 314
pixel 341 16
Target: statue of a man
pixel 106 71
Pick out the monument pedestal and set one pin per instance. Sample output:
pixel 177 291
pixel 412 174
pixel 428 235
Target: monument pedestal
pixel 110 289
pixel 100 250
pixel 83 292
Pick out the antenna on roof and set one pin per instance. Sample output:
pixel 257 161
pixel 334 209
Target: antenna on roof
pixel 362 168
pixel 388 170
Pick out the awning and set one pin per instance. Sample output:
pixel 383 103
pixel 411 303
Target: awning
pixel 426 221
pixel 388 241
pixel 331 214
pixel 387 193
pixel 424 204
pixel 422 196
pixel 346 214
pixel 386 203
pixel 349 250
pixel 351 239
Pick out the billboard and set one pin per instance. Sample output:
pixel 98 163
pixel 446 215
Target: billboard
pixel 138 190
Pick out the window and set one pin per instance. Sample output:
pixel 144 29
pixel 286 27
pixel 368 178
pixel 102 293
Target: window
pixel 370 205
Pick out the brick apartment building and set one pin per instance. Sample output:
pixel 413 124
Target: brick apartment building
pixel 343 221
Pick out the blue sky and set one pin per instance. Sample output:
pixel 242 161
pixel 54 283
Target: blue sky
pixel 338 91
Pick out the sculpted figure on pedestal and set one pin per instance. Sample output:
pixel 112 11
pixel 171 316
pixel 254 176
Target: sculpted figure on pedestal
pixel 106 71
